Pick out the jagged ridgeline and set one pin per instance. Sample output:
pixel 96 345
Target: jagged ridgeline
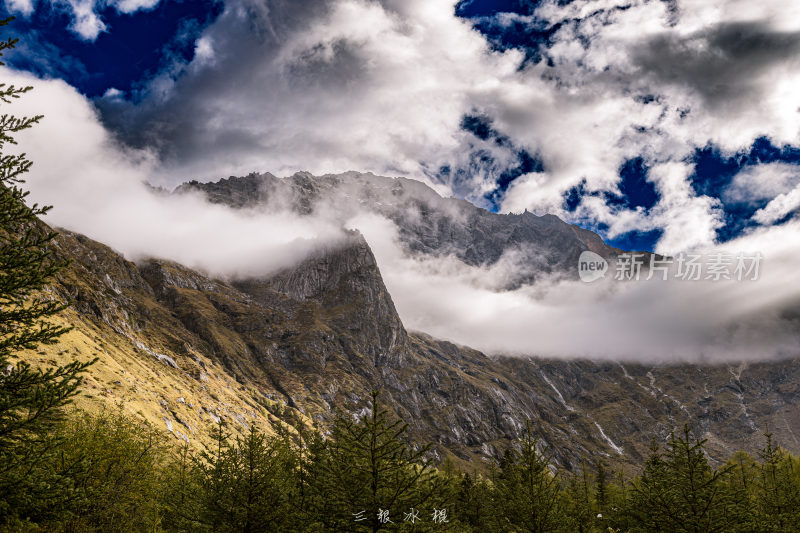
pixel 428 224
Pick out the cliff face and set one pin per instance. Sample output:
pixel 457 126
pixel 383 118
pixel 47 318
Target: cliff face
pixel 184 350
pixel 347 287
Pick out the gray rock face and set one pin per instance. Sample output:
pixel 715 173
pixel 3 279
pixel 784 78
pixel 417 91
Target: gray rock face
pixel 428 224
pixel 235 192
pixel 345 282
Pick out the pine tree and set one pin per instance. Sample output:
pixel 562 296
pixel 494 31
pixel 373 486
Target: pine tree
pixel 112 461
pixel 30 398
pixel 679 491
pixel 778 499
pixel 365 474
pixel 617 515
pixel 601 488
pixel 474 502
pixel 182 493
pixel 528 493
pixel 579 501
pixel 242 486
pixel 740 486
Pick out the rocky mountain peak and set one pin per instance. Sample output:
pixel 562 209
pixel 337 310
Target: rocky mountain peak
pixel 345 281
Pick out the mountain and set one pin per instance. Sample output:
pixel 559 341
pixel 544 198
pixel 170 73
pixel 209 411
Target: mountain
pixel 184 350
pixel 428 224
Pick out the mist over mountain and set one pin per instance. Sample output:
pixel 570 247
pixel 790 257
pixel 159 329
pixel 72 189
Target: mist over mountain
pixel 451 291
pixel 264 300
pixel 508 283
pixel 427 223
pixel 564 251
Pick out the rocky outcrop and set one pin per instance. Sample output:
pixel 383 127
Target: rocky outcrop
pixel 346 284
pixel 248 191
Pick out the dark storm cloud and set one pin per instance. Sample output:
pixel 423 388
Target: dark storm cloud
pixel 722 63
pixel 328 67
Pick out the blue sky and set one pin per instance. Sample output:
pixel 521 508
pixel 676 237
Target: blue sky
pixel 634 119
pixel 122 56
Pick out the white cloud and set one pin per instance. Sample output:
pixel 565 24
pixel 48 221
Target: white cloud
pixel 762 182
pixel 703 321
pixel 581 115
pixel 204 50
pixel 779 207
pixel 334 85
pixel 689 221
pixel 99 189
pixel 86 20
pixel 329 86
pixel 132 6
pixel 20 7
pixel 325 86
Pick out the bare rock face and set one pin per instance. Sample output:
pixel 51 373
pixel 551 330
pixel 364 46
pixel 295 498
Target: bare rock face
pixel 248 191
pixel 345 282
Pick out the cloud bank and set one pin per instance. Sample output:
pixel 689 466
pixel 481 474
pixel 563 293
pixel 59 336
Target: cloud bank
pixel 647 321
pixel 100 189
